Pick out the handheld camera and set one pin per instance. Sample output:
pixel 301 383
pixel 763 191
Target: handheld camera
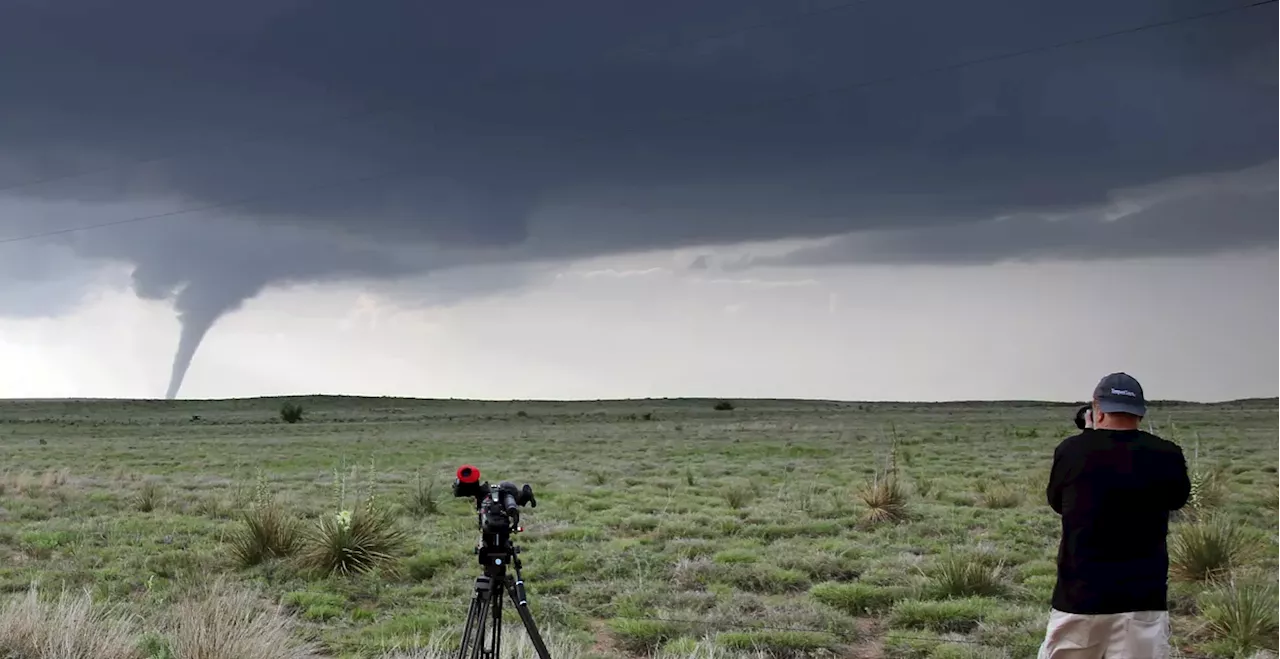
pixel 497 512
pixel 1084 417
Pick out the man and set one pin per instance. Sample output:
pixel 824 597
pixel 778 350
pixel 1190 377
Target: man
pixel 1114 487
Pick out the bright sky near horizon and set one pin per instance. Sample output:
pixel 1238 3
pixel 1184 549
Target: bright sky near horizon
pixel 639 327
pixel 860 200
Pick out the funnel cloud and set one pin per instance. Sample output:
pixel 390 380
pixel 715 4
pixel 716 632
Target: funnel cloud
pixel 276 142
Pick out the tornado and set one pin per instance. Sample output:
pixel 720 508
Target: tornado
pixel 194 329
pixel 200 305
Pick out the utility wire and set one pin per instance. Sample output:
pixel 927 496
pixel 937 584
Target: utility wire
pixel 746 108
pixel 383 108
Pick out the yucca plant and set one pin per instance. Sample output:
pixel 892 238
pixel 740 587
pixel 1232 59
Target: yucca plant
pixel 266 530
pixel 1241 618
pixel 1207 549
pixel 354 542
pixel 1207 493
pixel 886 500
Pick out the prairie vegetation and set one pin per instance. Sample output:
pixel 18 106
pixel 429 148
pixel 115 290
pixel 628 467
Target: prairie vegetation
pixel 668 528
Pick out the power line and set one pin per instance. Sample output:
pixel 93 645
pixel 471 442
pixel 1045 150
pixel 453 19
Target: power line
pixel 382 108
pixel 704 116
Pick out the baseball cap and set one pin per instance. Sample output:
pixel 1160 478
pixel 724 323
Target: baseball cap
pixel 1120 392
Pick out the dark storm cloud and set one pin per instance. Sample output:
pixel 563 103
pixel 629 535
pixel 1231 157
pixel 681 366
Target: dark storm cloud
pixel 394 138
pixel 1205 215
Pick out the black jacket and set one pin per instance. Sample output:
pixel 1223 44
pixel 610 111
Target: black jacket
pixel 1114 490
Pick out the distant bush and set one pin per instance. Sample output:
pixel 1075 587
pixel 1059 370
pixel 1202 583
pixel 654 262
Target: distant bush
pixel 291 412
pixel 1207 549
pixel 723 406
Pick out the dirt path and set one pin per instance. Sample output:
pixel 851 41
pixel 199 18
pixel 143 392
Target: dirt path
pixel 871 645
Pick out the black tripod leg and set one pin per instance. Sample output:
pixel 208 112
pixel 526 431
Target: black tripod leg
pixel 477 649
pixel 516 591
pixel 473 618
pixel 496 648
pixel 473 631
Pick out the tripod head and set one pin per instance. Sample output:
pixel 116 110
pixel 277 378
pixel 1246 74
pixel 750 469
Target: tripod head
pixel 497 513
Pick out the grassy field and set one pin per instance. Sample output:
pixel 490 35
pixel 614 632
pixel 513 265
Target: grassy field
pixel 664 528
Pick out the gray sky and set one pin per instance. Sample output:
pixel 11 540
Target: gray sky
pixel 462 166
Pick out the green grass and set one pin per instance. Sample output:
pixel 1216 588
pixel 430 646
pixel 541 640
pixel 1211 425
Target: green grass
pixel 665 528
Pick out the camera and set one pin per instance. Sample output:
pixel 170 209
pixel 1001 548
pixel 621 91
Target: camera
pixel 498 515
pixel 497 512
pixel 1084 417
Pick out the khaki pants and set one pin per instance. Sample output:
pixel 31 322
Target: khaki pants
pixel 1137 635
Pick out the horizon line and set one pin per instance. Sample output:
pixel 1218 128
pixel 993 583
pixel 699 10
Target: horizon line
pixel 1154 402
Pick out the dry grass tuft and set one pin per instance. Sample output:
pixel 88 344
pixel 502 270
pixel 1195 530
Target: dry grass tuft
pixel 148 497
pixel 230 622
pixel 27 483
pixel 959 576
pixel 515 645
pixel 423 499
pixel 1272 499
pixel 54 478
pixel 70 627
pixel 1000 497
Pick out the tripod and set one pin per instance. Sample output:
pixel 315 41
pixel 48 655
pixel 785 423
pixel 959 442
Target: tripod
pixel 486 606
